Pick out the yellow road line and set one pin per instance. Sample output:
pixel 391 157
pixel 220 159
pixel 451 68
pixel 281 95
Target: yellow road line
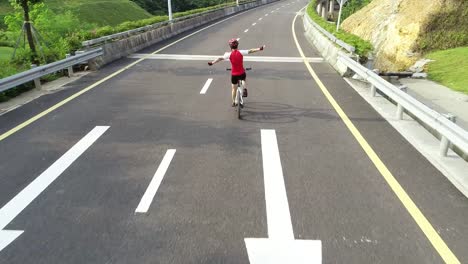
pixel 437 242
pixel 45 112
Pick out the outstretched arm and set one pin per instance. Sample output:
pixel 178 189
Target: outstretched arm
pixel 257 49
pixel 215 61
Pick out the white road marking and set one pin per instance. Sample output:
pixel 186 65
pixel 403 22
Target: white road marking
pixel 213 57
pixel 272 11
pixel 247 30
pixel 16 205
pixel 147 198
pixel 254 24
pixel 280 246
pixel 278 217
pixel 205 87
pixel 238 39
pixel 260 18
pixel 266 14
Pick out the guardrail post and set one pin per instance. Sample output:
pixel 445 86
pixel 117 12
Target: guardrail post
pixel 37 82
pixel 400 109
pixel 373 90
pixel 444 142
pixel 70 69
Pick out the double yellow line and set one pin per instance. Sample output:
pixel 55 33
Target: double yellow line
pixel 431 234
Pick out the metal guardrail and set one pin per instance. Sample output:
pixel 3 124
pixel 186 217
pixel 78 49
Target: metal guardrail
pixel 334 39
pixel 35 73
pixel 449 131
pixel 128 33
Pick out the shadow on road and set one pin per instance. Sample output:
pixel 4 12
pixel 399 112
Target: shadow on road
pixel 266 112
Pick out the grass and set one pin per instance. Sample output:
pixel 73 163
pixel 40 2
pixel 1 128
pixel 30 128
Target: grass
pixel 100 12
pixel 450 68
pixel 446 29
pixel 5 53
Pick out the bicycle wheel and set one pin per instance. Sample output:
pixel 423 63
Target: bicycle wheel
pixel 239 98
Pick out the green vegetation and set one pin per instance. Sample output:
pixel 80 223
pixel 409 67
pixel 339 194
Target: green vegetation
pixel 362 47
pixel 160 7
pixel 102 12
pixel 446 29
pixel 5 53
pixel 129 25
pixel 352 6
pixel 5 8
pixel 450 68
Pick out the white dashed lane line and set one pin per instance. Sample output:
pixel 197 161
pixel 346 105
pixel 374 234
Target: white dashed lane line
pixel 247 30
pixel 148 197
pixel 254 24
pixel 207 84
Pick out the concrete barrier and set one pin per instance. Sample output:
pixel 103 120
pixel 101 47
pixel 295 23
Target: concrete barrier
pixel 326 47
pixel 124 47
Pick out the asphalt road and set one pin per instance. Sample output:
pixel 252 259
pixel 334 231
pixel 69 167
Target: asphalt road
pixel 212 195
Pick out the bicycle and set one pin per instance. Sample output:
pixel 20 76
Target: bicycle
pixel 239 101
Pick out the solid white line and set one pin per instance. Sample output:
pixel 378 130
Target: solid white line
pixel 247 30
pixel 205 87
pixel 254 24
pixel 191 57
pixel 278 216
pixel 36 187
pixel 147 198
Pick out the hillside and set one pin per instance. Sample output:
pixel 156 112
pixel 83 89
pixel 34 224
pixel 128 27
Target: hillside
pixel 401 31
pixel 100 12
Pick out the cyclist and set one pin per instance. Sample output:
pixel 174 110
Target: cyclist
pixel 237 65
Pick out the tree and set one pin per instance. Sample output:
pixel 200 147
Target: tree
pixel 27 25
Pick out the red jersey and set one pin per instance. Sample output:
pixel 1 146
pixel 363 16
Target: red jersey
pixel 237 61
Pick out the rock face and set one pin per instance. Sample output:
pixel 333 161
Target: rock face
pixel 393 27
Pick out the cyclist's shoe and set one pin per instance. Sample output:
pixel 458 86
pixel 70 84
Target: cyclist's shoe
pixel 244 93
pixel 242 105
pixel 234 104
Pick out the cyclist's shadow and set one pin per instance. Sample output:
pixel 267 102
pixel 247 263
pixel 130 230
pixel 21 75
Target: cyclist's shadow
pixel 265 112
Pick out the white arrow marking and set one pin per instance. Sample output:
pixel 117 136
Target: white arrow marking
pixel 205 87
pixel 280 246
pixel 153 187
pixel 14 207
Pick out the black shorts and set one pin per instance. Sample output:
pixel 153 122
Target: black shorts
pixel 236 78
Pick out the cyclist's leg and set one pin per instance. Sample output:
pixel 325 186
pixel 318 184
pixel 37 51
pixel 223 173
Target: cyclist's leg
pixel 244 79
pixel 234 81
pixel 233 93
